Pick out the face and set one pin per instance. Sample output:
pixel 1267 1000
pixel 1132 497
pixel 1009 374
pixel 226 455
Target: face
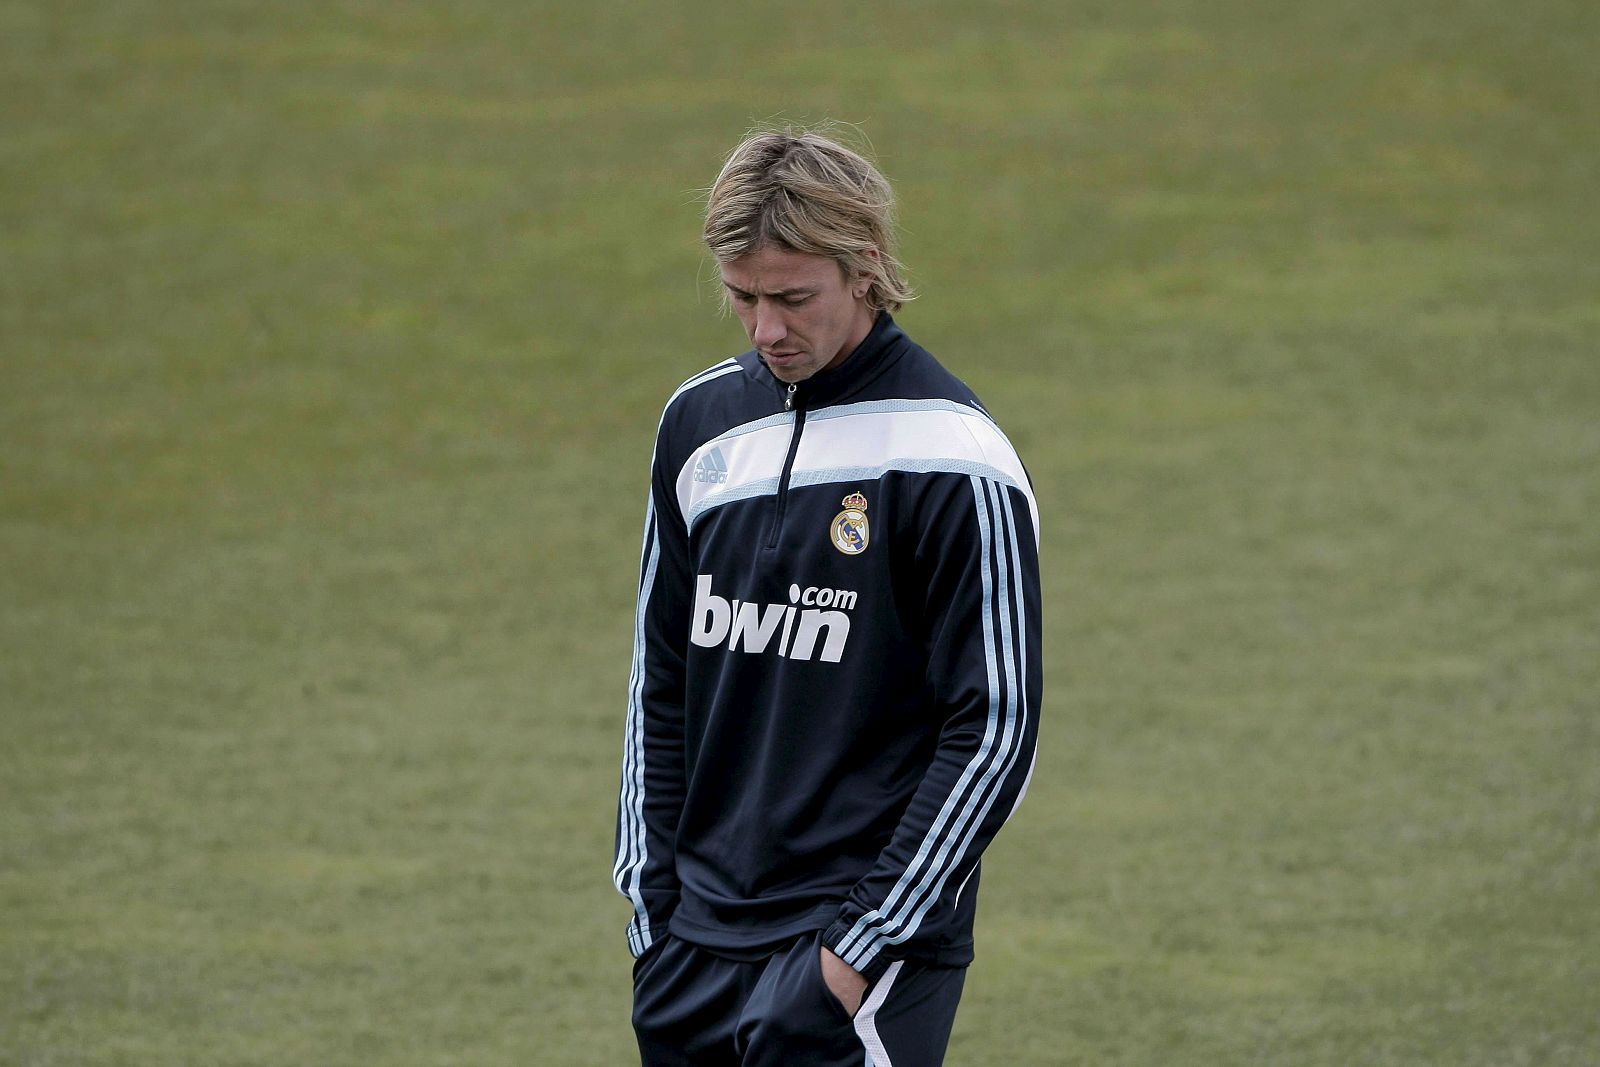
pixel 801 312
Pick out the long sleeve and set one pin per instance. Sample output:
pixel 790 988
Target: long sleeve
pixel 653 771
pixel 977 553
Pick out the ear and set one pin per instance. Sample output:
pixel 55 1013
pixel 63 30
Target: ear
pixel 863 280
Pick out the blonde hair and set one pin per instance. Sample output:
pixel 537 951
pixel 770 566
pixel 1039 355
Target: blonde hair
pixel 805 192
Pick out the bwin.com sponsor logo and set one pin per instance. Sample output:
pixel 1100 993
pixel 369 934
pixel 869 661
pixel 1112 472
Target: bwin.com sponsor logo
pixel 792 630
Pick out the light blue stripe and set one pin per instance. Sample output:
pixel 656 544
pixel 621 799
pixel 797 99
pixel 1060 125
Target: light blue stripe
pixel 632 850
pixel 1022 608
pixel 1019 658
pixel 628 832
pixel 727 366
pixel 900 926
pixel 994 776
pixel 636 697
pixel 852 948
pixel 631 839
pixel 873 407
pixel 625 835
pixel 988 790
pixel 1022 650
pixel 759 487
pixel 766 422
pixel 904 464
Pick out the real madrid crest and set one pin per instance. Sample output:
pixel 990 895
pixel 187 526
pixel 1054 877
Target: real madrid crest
pixel 850 531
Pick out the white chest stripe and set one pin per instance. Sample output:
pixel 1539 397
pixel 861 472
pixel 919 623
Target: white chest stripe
pixel 742 463
pixel 848 443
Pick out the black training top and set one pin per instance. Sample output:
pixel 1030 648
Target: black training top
pixel 836 678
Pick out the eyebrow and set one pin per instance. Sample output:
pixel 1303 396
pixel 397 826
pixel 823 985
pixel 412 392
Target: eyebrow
pixel 782 294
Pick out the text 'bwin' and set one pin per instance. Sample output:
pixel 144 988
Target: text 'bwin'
pixel 751 627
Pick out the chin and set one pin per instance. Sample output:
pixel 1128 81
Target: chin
pixel 794 372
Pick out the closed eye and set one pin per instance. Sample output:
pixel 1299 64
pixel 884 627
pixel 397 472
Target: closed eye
pixel 788 301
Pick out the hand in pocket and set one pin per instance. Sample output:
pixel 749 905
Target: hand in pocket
pixel 843 981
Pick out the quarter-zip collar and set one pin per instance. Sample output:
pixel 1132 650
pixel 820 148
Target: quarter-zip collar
pixel 876 353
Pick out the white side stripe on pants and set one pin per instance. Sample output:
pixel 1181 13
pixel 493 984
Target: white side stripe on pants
pixel 867 1018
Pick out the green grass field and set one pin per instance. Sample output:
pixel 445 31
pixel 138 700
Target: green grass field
pixel 332 340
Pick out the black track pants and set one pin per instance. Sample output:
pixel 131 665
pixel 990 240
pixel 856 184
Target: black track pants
pixel 693 1008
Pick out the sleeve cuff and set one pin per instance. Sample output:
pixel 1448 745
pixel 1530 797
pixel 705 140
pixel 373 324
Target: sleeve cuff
pixel 872 969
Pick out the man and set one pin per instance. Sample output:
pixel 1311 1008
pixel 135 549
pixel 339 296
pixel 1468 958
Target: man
pixel 835 684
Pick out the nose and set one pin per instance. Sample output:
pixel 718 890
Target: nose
pixel 770 327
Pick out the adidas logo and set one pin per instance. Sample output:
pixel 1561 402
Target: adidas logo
pixel 711 467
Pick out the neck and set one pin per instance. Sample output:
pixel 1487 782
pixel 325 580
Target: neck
pixel 865 317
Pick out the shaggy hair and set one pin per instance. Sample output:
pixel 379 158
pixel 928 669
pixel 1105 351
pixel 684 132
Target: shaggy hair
pixel 804 192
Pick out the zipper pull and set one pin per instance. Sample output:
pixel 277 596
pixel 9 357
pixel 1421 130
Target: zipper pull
pixel 788 398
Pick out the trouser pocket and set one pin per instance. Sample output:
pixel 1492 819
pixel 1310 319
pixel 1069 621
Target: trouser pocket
pixel 835 1006
pixel 792 1017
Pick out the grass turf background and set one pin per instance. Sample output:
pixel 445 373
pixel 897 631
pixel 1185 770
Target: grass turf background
pixel 331 340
